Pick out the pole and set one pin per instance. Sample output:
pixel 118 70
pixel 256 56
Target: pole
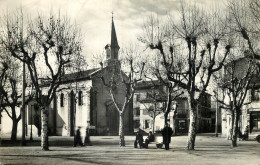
pixel 154 114
pixel 23 143
pixel 31 139
pixel 216 124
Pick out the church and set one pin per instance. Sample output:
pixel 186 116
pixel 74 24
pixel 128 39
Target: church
pixel 84 102
pixel 87 102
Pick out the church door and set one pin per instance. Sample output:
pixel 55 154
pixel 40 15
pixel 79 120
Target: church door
pixel 112 120
pixel 72 113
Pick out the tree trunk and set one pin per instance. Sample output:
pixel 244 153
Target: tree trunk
pixel 232 124
pixel 235 129
pixel 166 117
pixel 44 133
pixel 168 105
pixel 121 130
pixel 193 125
pixel 14 130
pixel 153 122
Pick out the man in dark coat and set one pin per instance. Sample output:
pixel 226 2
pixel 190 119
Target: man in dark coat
pixel 167 134
pixel 77 138
pixel 138 140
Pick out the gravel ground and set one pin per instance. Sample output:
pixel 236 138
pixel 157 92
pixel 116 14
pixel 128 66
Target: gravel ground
pixel 105 150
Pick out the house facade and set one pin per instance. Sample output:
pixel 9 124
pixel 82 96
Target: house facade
pixel 152 95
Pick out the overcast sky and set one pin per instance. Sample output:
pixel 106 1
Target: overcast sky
pixel 94 16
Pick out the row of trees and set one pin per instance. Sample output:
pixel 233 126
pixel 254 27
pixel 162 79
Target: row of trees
pixel 189 50
pixel 47 46
pixel 194 49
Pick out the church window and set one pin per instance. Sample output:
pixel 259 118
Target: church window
pixel 80 98
pixel 62 100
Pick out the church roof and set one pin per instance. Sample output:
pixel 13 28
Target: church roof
pixel 114 43
pixel 77 76
pixel 72 77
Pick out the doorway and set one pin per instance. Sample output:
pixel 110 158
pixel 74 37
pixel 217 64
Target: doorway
pixel 72 113
pixel 112 118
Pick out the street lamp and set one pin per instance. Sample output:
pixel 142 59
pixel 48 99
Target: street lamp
pixel 31 139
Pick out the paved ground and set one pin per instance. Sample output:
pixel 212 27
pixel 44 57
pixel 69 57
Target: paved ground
pixel 105 150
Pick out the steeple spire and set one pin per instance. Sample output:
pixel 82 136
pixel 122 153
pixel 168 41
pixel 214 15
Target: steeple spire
pixel 114 43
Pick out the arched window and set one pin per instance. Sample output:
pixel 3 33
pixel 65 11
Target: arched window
pixel 80 98
pixel 62 100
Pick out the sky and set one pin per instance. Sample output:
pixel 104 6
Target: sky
pixel 94 16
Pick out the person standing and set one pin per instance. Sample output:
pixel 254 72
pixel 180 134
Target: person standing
pixel 77 138
pixel 87 141
pixel 138 140
pixel 167 134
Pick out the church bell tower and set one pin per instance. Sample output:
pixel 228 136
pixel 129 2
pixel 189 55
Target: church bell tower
pixel 112 49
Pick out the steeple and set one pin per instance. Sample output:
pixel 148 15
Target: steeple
pixel 114 43
pixel 112 48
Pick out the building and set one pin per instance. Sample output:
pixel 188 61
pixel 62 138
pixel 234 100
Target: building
pixel 83 101
pixel 250 111
pixel 151 95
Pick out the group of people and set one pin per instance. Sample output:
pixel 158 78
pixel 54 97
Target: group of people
pixel 166 133
pixel 245 135
pixel 139 140
pixel 77 138
pixel 240 134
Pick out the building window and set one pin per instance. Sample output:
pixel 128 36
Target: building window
pixel 146 124
pixel 137 124
pixel 62 100
pixel 137 97
pixel 255 95
pixel 145 112
pixel 137 111
pixel 80 98
pixel 254 122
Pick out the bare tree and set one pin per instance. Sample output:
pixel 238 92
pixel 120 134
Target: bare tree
pixel 237 80
pixel 10 90
pixel 126 79
pixel 3 79
pixel 245 22
pixel 158 68
pixel 196 36
pixel 47 46
pixel 154 103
